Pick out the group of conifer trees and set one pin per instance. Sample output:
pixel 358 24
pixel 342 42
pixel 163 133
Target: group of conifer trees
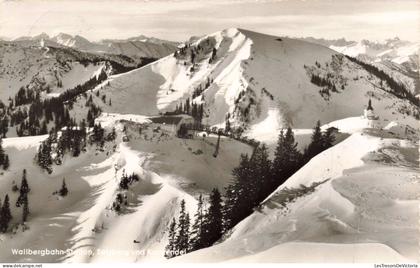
pixel 22 201
pixel 186 236
pixel 256 177
pixel 196 110
pixel 72 139
pixel 196 52
pixel 35 119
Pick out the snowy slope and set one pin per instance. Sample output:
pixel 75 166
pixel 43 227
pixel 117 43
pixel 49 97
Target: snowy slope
pixel 170 169
pixel 363 208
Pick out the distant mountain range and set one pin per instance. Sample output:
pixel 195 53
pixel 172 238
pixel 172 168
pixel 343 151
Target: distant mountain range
pixel 140 46
pixel 395 56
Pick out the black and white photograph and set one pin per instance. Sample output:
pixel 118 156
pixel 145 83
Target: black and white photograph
pixel 209 132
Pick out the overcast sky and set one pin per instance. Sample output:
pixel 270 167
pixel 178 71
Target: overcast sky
pixel 180 19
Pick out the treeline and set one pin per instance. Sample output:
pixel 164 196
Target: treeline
pixel 256 177
pixel 398 88
pixel 190 108
pixel 26 96
pixel 55 110
pixel 35 118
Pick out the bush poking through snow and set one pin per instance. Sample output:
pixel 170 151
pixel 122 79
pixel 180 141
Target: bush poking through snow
pixel 63 191
pixel 288 195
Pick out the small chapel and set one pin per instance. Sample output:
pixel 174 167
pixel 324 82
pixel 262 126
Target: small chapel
pixel 370 115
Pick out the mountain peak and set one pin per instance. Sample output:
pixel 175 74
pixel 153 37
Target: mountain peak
pixel 63 35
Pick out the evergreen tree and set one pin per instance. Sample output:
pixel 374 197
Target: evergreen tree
pixel 4 123
pixel 44 128
pixel 98 135
pixel 5 215
pixel 316 144
pixel 182 131
pixel 292 153
pixel 25 209
pixel 261 169
pixel 278 161
pixel 24 190
pixel 170 249
pixel 213 228
pixel 6 162
pixel 182 239
pixel 2 154
pixel 228 210
pixel 76 143
pixel 44 158
pixel 328 138
pixel 187 106
pixel 198 226
pixel 287 158
pixel 238 195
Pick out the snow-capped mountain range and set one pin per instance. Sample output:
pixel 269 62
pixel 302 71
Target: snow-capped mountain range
pixel 137 47
pixel 354 202
pixel 394 49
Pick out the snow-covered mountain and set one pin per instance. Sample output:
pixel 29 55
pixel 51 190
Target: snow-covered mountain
pixel 354 202
pixel 76 41
pixel 257 82
pixel 396 50
pixel 51 69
